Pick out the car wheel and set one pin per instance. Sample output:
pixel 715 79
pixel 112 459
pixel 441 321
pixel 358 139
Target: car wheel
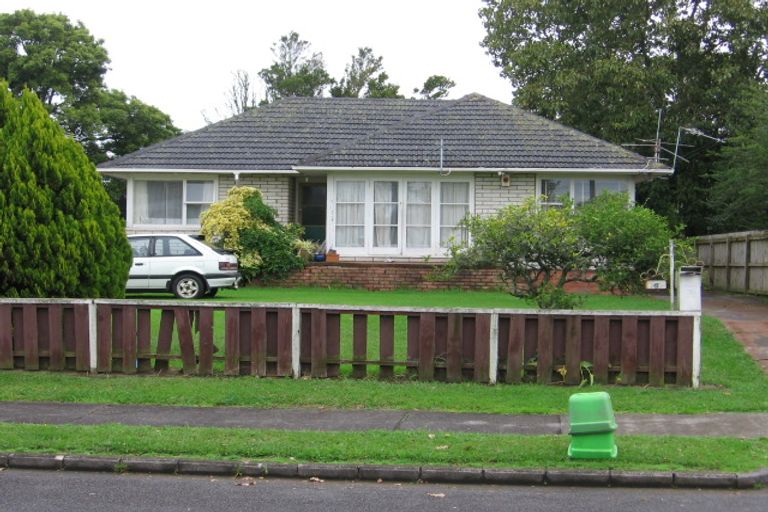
pixel 188 286
pixel 212 293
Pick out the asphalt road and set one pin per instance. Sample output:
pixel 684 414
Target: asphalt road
pixel 22 491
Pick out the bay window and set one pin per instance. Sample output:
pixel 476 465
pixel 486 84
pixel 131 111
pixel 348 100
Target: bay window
pixel 171 202
pixel 390 216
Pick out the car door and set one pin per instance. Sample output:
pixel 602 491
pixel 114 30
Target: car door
pixel 171 254
pixel 138 276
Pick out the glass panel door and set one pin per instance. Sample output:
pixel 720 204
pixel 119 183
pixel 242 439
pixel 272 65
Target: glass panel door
pixel 418 215
pixel 385 214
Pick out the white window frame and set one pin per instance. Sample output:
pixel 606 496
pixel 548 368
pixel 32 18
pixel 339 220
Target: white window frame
pixel 130 196
pixel 401 250
pixel 629 182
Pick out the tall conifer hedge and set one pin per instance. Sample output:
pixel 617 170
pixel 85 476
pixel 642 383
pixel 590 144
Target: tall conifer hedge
pixel 60 234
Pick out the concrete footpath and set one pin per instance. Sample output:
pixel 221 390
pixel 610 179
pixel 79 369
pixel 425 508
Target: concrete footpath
pixel 740 425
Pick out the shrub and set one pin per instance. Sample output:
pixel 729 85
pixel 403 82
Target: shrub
pixel 245 224
pixel 539 250
pixel 60 234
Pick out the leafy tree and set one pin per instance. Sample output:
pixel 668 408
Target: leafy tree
pixel 435 87
pixel 365 76
pixel 65 66
pixel 296 71
pixel 61 62
pixel 246 225
pixel 60 235
pixel 741 175
pixel 606 66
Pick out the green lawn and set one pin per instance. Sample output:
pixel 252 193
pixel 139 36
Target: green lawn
pixel 407 297
pixel 380 447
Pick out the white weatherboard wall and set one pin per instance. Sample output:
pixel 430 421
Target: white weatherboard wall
pixel 275 188
pixel 490 195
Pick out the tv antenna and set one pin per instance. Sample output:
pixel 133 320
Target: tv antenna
pixel 658 145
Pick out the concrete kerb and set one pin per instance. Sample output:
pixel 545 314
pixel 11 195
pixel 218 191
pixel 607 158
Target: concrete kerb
pixel 385 473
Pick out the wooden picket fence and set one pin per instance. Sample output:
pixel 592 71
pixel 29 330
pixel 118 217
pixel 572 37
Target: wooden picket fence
pixel 281 340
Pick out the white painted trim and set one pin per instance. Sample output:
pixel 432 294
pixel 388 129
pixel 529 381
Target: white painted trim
pixel 118 171
pixel 525 170
pixel 493 359
pixel 93 353
pixel 296 341
pixel 696 370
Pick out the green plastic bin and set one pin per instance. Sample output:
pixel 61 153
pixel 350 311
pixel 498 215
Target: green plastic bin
pixel 592 426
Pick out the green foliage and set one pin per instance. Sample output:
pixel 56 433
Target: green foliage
pixel 436 87
pixel 245 224
pixel 60 235
pixel 65 66
pixel 740 177
pixel 365 76
pixel 606 66
pixel 539 250
pixel 296 72
pixel 624 241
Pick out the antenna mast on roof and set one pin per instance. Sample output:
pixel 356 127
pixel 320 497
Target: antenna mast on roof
pixel 442 172
pixel 658 145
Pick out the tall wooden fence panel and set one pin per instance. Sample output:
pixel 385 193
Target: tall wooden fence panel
pixel 735 261
pixel 282 340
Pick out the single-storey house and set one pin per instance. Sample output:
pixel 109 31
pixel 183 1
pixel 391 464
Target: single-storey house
pixel 375 179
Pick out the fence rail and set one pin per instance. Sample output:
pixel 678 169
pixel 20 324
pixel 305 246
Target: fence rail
pixel 282 340
pixel 735 261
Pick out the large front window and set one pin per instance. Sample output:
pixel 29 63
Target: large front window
pixel 579 190
pixel 172 202
pixel 398 216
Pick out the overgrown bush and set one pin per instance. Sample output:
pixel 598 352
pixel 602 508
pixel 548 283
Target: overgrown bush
pixel 539 250
pixel 245 224
pixel 60 234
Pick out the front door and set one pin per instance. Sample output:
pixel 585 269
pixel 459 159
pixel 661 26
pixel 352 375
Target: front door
pixel 312 210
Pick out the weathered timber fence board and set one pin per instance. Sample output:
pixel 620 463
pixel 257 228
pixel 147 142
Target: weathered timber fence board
pixel 261 339
pixel 735 261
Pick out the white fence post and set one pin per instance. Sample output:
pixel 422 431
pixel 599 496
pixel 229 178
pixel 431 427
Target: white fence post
pixel 690 300
pixel 493 357
pixel 296 341
pixel 92 345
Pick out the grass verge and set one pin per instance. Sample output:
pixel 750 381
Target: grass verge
pixel 732 382
pixel 379 447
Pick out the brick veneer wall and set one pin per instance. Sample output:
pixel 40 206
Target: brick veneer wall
pixel 277 190
pixel 393 276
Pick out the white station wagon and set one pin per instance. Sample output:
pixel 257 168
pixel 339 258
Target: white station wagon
pixel 181 264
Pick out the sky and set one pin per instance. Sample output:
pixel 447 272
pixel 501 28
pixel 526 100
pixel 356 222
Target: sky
pixel 180 56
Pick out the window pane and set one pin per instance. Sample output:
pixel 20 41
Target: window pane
pixel 583 191
pixel 172 246
pixel 454 193
pixel 350 191
pixel 347 214
pixel 419 192
pixel 140 247
pixel 349 236
pixel 609 186
pixel 385 237
pixel 194 211
pixel 419 214
pixel 385 214
pixel 452 215
pixel 157 202
pixel 418 237
pixel 446 234
pixel 200 191
pixel 385 192
pixel 554 190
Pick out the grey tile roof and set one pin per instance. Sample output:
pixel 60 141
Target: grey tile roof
pixel 477 132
